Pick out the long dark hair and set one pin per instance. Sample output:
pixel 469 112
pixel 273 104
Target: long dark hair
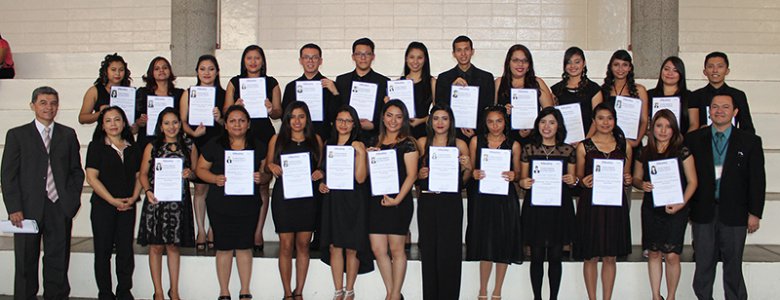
pixel 680 66
pixel 609 80
pixel 560 134
pixel 103 72
pixel 425 73
pixel 263 68
pixel 213 60
pixel 151 83
pixel 405 131
pixel 650 152
pixel 567 56
pixel 498 109
pixel 224 138
pixel 100 134
pixel 334 136
pixel 617 132
pixel 429 126
pixel 284 138
pixel 159 135
pixel 529 81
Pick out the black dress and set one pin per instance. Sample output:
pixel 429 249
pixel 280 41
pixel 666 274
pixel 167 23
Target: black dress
pixel 299 214
pixel 504 98
pixel 495 228
pixel 141 108
pixel 211 131
pixel 393 219
pixel 601 230
pixel 423 97
pixel 168 222
pixel 584 97
pixel 546 226
pixel 260 128
pixel 661 231
pixel 345 221
pixel 233 218
pixel 686 102
pixel 103 97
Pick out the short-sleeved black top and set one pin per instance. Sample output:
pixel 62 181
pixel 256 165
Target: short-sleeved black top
pixel 117 175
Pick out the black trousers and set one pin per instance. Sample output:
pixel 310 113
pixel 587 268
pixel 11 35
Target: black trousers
pixel 112 229
pixel 440 222
pixel 712 241
pixel 55 229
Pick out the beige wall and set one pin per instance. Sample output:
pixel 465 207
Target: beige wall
pixel 57 26
pixel 492 24
pixel 751 26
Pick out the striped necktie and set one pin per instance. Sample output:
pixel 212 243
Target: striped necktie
pixel 51 188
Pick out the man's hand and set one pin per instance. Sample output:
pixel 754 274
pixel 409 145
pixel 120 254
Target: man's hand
pixel 16 218
pixel 753 223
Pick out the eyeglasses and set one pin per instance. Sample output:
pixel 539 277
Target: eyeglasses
pixel 312 58
pixel 345 121
pixel 363 54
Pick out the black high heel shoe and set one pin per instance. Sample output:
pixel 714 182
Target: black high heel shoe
pixel 259 248
pixel 245 296
pixel 224 297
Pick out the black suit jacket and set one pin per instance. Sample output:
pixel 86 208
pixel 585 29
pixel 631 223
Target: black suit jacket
pixel 475 77
pixel 24 168
pixel 742 183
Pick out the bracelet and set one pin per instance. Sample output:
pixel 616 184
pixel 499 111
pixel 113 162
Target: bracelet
pixel 576 181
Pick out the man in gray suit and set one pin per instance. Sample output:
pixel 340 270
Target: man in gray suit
pixel 42 180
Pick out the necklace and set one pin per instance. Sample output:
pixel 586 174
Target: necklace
pixel 547 154
pixel 621 89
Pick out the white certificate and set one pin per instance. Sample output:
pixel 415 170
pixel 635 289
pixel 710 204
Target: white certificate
pixel 572 118
pixel 628 111
pixel 443 175
pixel 363 99
pixel 124 97
pixel 239 172
pixel 608 182
pixel 493 163
pixel 310 92
pixel 665 176
pixel 340 167
pixel 464 101
pixel 383 169
pixel 547 175
pixel 253 94
pixel 296 175
pixel 402 90
pixel 155 105
pixel 28 226
pixel 167 179
pixel 524 108
pixel 670 103
pixel 202 102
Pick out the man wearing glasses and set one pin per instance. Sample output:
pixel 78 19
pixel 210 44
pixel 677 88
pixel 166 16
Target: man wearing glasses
pixel 311 60
pixel 363 56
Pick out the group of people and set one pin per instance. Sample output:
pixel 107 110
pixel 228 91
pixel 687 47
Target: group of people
pixel 723 187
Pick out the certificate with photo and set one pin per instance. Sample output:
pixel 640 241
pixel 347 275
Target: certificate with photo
pixel 383 169
pixel 124 97
pixel 252 91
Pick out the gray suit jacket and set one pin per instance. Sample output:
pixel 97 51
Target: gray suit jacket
pixel 24 168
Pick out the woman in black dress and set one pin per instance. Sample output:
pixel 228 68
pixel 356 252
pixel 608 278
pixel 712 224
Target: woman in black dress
pixel 576 87
pixel 113 72
pixel 294 219
pixel 111 170
pixel 159 80
pixel 671 83
pixel 602 231
pixel 208 75
pixel 663 226
pixel 345 212
pixel 233 218
pixel 620 82
pixel 166 226
pixel 417 68
pixel 547 227
pixel 495 229
pixel 254 65
pixel 519 74
pixel 440 214
pixel 390 215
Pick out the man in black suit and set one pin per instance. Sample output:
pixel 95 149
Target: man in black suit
pixel 729 200
pixel 716 67
pixel 466 74
pixel 42 180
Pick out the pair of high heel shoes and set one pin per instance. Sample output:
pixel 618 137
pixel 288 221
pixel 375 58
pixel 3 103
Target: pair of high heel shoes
pixel 241 296
pixel 154 296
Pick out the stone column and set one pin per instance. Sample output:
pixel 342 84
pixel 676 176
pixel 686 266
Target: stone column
pixel 193 33
pixel 654 34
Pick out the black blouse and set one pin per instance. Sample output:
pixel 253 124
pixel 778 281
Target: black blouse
pixel 117 175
